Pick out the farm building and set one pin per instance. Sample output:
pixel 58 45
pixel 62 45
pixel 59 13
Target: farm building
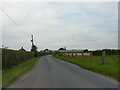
pixel 22 49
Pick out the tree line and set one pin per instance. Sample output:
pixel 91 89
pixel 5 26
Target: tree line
pixel 107 51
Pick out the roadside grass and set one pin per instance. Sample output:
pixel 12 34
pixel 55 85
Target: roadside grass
pixel 109 69
pixel 0 79
pixel 9 76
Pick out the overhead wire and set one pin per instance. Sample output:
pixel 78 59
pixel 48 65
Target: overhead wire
pixel 13 21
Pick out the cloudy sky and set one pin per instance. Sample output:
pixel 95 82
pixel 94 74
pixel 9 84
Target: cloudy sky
pixel 76 25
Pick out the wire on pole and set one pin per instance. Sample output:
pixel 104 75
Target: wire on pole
pixel 13 21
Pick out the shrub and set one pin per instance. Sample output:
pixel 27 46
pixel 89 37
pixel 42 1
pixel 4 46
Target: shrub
pixel 11 58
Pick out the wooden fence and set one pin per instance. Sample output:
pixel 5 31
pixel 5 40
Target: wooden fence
pixel 83 54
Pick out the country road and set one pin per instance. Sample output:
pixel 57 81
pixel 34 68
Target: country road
pixel 50 72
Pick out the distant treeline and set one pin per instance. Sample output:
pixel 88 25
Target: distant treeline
pixel 43 53
pixel 107 51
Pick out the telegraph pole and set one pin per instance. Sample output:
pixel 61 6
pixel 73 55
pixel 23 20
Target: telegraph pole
pixel 32 40
pixel 34 47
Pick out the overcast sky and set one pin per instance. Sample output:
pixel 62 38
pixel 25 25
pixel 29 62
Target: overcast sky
pixel 91 25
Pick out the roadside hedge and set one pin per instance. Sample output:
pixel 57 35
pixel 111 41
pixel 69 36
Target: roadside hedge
pixel 11 58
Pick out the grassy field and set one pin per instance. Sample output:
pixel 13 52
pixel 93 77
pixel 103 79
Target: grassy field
pixel 108 69
pixel 9 76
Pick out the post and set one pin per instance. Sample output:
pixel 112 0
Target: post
pixel 68 54
pixel 91 55
pixel 72 54
pixel 76 53
pixel 103 57
pixel 82 55
pixel 65 54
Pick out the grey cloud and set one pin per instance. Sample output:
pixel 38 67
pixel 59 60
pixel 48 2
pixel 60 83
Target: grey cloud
pixel 54 25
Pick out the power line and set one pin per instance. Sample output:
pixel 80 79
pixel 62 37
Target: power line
pixel 13 22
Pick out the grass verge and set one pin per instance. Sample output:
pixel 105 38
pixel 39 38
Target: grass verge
pixel 104 69
pixel 9 76
pixel 0 79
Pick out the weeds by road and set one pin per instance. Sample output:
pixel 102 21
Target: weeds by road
pixel 9 76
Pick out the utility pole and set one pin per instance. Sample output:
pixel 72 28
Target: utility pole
pixel 34 47
pixel 32 40
pixel 2 46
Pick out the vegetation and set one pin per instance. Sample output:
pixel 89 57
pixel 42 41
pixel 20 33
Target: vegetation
pixel 108 52
pixel 55 53
pixel 44 53
pixel 34 50
pixel 11 58
pixel 0 79
pixel 16 63
pixel 62 48
pixel 12 74
pixel 108 69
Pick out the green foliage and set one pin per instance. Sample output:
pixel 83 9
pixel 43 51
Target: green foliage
pixel 11 58
pixel 34 50
pixel 108 52
pixel 108 69
pixel 10 75
pixel 62 49
pixel 55 53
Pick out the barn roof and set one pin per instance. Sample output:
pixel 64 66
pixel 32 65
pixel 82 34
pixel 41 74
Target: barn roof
pixel 71 51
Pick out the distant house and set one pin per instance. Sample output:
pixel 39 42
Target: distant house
pixel 22 49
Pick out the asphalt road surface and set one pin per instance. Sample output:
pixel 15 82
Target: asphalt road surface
pixel 50 72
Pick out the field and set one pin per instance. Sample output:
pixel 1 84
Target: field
pixel 109 69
